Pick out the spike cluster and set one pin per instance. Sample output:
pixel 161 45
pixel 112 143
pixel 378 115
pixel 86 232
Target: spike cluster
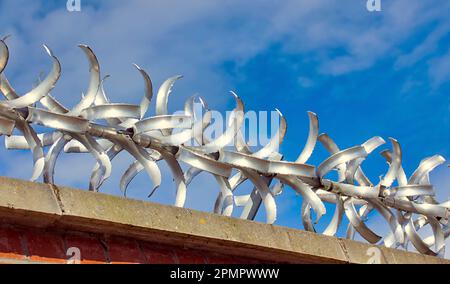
pixel 407 205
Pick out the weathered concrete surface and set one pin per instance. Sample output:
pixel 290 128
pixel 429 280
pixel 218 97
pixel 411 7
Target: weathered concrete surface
pixel 41 205
pixel 27 202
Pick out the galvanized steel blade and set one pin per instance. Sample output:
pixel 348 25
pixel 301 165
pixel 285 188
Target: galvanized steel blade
pixel 163 122
pixel 94 82
pixel 58 121
pixel 275 141
pixel 148 93
pixel 98 153
pixel 426 166
pixel 178 176
pixel 335 222
pixel 6 89
pixel 111 111
pixel 224 201
pixel 237 118
pixel 254 202
pixel 358 224
pixel 52 156
pixel 312 138
pixel 265 193
pixel 146 160
pixel 74 146
pixel 202 161
pixel 4 55
pixel 339 158
pixel 394 166
pixel 332 148
pixel 307 193
pixel 35 146
pixel 131 172
pixel 96 175
pixel 18 142
pixel 41 90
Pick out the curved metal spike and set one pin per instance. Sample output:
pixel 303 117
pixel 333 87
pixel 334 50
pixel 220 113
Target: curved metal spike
pixel 332 148
pixel 417 242
pixel 190 174
pixel 94 82
pixel 306 192
pixel 148 94
pixel 96 176
pixel 53 105
pixel 312 138
pixel 266 196
pixel 177 173
pixel 163 122
pixel 4 55
pixel 201 161
pixel 340 158
pixel 395 164
pixel 237 116
pixel 224 202
pixel 61 122
pixel 358 224
pixel 200 124
pixel 401 176
pixel 74 146
pixel 6 89
pixel 35 146
pixel 174 139
pixel 40 90
pixel 275 141
pixel 241 200
pixel 18 142
pixel 335 222
pixel 129 175
pixel 394 225
pixel 146 160
pixel 426 166
pixel 162 97
pixel 111 111
pixel 412 190
pixel 99 154
pixel 52 156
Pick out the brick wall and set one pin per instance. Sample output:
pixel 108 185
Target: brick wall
pixel 30 245
pixel 40 223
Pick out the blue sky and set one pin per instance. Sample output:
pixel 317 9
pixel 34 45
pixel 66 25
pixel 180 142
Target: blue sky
pixel 364 74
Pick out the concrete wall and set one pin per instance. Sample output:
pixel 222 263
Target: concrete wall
pixel 39 223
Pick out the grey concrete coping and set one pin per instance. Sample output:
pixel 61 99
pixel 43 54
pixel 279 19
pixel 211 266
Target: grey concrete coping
pixel 54 207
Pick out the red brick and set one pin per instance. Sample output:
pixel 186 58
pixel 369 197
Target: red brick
pixel 214 258
pixel 10 246
pixel 186 256
pixel 91 250
pixel 45 247
pixel 124 251
pixel 155 254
